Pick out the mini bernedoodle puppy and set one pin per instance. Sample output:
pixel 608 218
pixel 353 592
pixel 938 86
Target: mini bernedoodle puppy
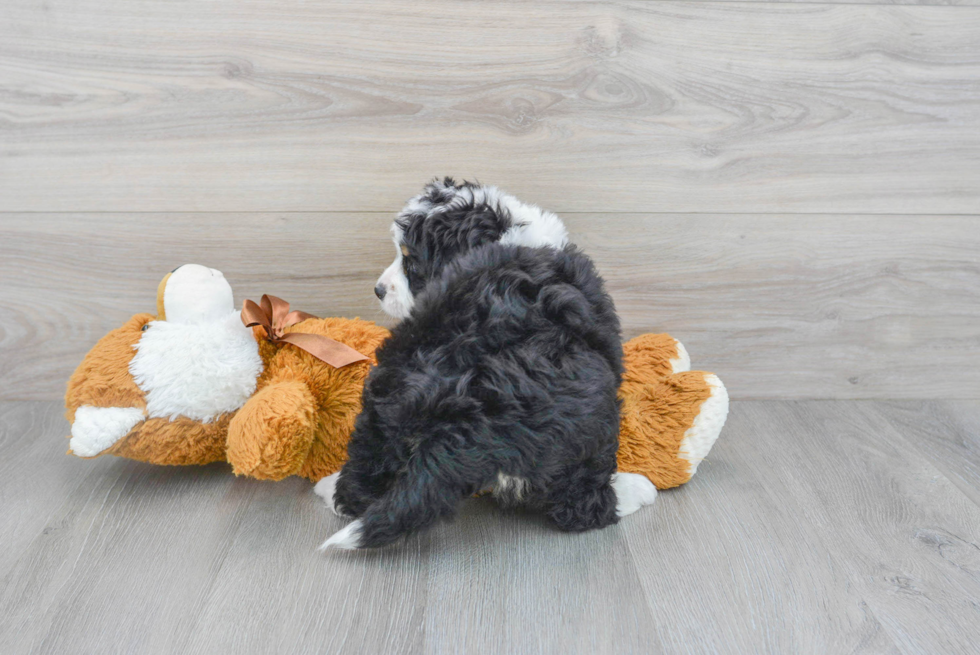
pixel 502 374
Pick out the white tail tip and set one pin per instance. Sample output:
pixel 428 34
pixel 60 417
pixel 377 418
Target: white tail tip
pixel 347 539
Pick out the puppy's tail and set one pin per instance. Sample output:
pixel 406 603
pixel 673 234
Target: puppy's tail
pixel 426 491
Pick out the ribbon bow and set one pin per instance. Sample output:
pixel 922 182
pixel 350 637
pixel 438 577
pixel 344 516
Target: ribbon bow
pixel 275 317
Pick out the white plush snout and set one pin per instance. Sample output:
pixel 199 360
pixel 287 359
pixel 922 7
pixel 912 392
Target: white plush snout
pixel 196 294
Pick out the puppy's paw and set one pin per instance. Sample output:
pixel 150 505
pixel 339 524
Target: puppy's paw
pixel 347 539
pixel 633 491
pixel 325 489
pixel 96 429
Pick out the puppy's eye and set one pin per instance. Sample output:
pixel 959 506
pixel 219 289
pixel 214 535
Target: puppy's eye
pixel 404 250
pixel 146 326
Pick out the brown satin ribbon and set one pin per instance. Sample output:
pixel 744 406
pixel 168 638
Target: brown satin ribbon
pixel 275 317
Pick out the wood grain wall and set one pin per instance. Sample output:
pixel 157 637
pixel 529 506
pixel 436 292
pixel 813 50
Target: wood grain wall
pixel 792 189
pixel 781 306
pixel 140 105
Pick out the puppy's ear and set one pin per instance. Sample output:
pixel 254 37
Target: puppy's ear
pixel 439 192
pixel 476 226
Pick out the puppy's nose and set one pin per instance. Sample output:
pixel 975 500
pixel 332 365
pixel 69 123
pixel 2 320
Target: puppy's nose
pixel 380 291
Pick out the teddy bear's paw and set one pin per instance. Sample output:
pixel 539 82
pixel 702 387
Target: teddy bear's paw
pixel 347 539
pixel 96 429
pixel 701 436
pixel 681 361
pixel 325 489
pixel 633 491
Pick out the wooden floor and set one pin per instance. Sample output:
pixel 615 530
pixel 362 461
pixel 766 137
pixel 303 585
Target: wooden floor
pixel 814 527
pixel 790 188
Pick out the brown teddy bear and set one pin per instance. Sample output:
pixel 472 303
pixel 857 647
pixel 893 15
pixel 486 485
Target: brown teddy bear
pixel 195 385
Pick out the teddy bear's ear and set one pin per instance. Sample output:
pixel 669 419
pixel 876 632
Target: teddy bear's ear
pixel 161 312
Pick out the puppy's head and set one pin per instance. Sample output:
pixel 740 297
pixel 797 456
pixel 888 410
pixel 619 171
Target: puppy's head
pixel 449 219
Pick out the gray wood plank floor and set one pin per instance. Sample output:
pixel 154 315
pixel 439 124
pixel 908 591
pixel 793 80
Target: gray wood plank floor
pixel 814 527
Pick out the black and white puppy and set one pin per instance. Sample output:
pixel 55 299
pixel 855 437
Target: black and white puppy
pixel 503 374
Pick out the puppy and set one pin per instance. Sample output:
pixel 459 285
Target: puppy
pixel 502 374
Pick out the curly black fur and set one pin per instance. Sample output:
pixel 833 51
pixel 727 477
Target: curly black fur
pixel 508 365
pixel 435 238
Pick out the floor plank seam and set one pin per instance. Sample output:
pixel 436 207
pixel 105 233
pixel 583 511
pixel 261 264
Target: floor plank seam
pixel 394 210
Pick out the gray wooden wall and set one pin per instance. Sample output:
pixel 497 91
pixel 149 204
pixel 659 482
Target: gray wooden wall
pixel 792 189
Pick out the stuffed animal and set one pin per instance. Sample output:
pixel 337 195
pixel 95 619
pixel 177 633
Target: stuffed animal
pixel 196 384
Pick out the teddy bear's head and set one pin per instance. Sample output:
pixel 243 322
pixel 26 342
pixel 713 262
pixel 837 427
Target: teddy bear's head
pixel 197 359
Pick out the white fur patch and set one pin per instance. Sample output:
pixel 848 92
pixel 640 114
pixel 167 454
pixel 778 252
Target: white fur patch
pixel 681 363
pixel 96 429
pixel 533 226
pixel 510 488
pixel 398 300
pixel 701 436
pixel 326 488
pixel 633 491
pixel 199 370
pixel 347 539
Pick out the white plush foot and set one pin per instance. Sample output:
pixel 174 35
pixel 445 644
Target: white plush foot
pixel 701 436
pixel 96 429
pixel 347 539
pixel 325 489
pixel 681 363
pixel 633 491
